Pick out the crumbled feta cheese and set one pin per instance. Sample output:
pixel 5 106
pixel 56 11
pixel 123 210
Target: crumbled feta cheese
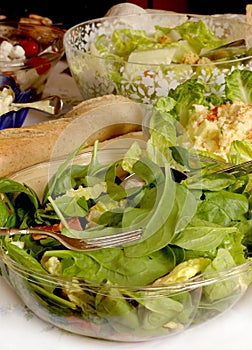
pixel 53 266
pixel 18 244
pixel 10 52
pixel 6 100
pixel 17 53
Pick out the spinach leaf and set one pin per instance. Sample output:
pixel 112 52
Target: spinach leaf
pixel 223 207
pixel 174 210
pixel 113 265
pixel 4 214
pixel 23 257
pixel 202 237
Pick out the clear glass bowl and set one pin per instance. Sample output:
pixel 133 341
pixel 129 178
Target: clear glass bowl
pixel 125 313
pixel 142 82
pixel 32 74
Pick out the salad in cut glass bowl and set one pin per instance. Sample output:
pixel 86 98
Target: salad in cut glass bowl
pixel 144 56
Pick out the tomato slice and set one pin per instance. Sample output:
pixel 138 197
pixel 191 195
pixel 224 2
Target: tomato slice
pixel 31 47
pixel 42 65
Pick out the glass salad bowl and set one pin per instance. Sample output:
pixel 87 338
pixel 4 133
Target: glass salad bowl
pixel 153 288
pixel 28 52
pixel 144 56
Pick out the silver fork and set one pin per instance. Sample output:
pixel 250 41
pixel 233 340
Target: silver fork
pixel 80 244
pixel 235 169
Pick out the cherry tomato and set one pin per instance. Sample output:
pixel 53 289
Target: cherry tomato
pixel 44 64
pixel 31 47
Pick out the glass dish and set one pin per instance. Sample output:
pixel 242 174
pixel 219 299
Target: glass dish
pixel 126 313
pixel 97 75
pixel 33 72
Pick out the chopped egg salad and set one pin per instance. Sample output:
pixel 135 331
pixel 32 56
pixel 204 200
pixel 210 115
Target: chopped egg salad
pixel 214 130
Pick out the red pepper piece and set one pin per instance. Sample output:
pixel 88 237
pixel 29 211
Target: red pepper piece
pixel 213 114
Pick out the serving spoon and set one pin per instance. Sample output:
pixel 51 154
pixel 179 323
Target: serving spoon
pixel 233 49
pixel 51 105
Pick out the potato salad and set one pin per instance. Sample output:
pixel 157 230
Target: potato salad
pixel 216 129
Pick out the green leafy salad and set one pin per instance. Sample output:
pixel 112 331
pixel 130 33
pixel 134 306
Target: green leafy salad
pixel 193 230
pixel 184 43
pixel 202 224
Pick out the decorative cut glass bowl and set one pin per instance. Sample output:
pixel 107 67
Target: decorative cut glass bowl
pixel 97 75
pixel 117 312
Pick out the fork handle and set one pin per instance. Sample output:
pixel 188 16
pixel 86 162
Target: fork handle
pixel 9 231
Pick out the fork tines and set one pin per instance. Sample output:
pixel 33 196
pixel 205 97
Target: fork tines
pixel 113 240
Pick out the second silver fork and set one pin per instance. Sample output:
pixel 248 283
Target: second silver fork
pixel 237 169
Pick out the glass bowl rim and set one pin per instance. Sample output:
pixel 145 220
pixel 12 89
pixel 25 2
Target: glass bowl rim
pixel 198 281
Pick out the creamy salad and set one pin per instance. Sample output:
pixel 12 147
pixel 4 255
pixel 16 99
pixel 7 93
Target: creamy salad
pixel 216 129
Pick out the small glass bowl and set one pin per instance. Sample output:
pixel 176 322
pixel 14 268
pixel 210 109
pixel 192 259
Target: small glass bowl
pixel 32 74
pixel 126 313
pixel 146 82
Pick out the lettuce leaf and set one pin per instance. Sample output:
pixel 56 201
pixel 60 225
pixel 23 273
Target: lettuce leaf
pixel 239 86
